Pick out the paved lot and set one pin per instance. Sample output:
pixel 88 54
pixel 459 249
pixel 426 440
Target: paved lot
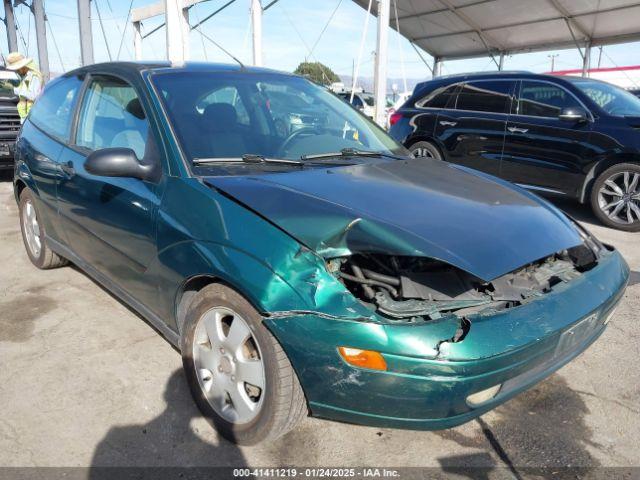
pixel 84 381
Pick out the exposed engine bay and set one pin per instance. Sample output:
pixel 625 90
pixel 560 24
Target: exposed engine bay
pixel 417 288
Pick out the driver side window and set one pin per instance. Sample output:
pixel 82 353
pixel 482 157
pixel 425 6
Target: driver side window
pixel 539 99
pixel 112 116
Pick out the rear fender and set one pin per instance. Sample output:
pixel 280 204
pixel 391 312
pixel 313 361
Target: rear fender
pixel 23 178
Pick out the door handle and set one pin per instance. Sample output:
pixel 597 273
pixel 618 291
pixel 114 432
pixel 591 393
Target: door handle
pixel 444 123
pixel 518 130
pixel 68 168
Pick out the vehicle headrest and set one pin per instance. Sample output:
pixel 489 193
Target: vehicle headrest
pixel 134 107
pixel 219 116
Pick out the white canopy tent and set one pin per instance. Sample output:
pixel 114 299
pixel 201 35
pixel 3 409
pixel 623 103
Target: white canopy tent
pixel 458 29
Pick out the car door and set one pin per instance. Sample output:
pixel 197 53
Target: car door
pixel 111 221
pixel 472 132
pixel 541 150
pixel 41 142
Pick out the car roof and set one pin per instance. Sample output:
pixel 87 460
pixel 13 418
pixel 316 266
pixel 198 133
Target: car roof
pixel 138 67
pixel 514 74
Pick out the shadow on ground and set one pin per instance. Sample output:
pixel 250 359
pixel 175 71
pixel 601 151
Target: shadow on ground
pixel 579 211
pixel 169 440
pixel 543 427
pixel 6 175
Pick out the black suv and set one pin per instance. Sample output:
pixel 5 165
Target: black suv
pixel 571 136
pixel 9 118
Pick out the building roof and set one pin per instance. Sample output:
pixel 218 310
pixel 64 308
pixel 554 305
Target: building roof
pixel 451 29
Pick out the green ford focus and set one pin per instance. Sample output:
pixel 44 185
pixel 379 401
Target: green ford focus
pixel 300 259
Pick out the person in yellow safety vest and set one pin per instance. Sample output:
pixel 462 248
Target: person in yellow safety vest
pixel 30 81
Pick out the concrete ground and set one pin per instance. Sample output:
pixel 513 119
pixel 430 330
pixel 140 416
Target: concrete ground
pixel 85 382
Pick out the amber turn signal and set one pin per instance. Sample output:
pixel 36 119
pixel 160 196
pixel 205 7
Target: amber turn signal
pixel 363 358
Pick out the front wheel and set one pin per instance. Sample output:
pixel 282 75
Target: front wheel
pixel 238 374
pixel 425 150
pixel 615 197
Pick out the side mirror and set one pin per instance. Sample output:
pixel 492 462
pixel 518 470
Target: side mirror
pixel 117 162
pixel 573 114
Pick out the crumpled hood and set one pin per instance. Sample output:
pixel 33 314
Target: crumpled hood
pixel 420 207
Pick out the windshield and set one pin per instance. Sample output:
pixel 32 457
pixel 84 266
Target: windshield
pixel 612 99
pixel 8 80
pixel 228 115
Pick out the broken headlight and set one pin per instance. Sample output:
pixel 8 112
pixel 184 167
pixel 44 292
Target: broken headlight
pixel 405 288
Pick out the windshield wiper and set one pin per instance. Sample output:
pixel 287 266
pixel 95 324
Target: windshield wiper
pixel 351 152
pixel 247 158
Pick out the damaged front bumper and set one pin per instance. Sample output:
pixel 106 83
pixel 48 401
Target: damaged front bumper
pixel 429 377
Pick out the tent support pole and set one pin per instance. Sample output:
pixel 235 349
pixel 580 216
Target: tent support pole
pixel 437 67
pixel 10 23
pixel 586 61
pixel 380 78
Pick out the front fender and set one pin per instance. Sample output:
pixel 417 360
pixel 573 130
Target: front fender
pixel 594 170
pixel 204 233
pixel 298 282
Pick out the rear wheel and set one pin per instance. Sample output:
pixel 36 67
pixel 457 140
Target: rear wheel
pixel 425 150
pixel 33 234
pixel 615 197
pixel 238 374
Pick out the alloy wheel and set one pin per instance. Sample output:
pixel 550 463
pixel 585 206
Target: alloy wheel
pixel 422 152
pixel 229 365
pixel 619 197
pixel 31 229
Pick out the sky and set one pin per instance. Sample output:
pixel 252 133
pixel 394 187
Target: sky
pixel 331 29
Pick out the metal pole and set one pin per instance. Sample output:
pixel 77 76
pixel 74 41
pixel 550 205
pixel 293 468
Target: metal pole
pixel 600 56
pixel 437 67
pixel 177 20
pixel 10 22
pixel 380 74
pixel 256 30
pixel 41 37
pixel 86 37
pixel 137 40
pixel 186 30
pixel 586 63
pixel 501 62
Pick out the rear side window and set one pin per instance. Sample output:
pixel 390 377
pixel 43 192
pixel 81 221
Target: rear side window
pixel 53 110
pixel 443 97
pixel 486 96
pixel 540 99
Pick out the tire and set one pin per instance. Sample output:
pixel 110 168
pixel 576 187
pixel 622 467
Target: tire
pixel 34 235
pixel 615 197
pixel 425 149
pixel 211 359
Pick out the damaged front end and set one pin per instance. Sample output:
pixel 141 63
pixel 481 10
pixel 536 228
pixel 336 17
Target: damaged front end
pixel 454 345
pixel 418 289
